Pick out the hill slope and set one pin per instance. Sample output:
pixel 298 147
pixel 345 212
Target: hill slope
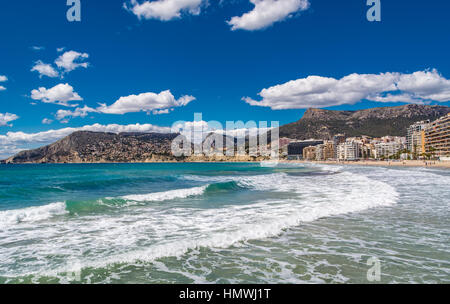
pixel 376 122
pixel 80 147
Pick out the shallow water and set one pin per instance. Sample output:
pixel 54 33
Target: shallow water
pixel 222 223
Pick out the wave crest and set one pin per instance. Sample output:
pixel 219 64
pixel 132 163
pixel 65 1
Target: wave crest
pixel 31 214
pixel 166 195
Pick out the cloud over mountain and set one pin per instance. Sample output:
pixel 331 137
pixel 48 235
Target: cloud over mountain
pixel 316 91
pixel 64 115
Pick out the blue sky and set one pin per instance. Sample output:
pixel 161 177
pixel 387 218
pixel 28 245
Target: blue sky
pixel 199 54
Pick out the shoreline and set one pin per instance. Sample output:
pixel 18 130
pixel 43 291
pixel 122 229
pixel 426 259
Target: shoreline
pixel 406 163
pixel 378 163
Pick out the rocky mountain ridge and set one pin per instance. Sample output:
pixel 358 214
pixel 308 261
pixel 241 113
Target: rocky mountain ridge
pixel 375 122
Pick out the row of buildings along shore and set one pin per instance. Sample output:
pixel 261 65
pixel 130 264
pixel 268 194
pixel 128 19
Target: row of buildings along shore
pixel 424 140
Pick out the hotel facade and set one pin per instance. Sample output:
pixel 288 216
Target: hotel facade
pixel 437 137
pixel 415 138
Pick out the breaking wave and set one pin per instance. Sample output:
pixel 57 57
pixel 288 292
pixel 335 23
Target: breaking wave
pixel 166 195
pixel 31 214
pixel 40 213
pixel 146 232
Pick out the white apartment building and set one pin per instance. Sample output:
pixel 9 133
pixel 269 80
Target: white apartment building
pixel 387 149
pixel 414 138
pixel 348 151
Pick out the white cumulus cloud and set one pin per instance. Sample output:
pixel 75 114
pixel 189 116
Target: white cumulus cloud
pixel 44 69
pixel 72 60
pixel 60 94
pixel 267 12
pixel 317 91
pixel 6 118
pixel 164 10
pixel 47 121
pixel 145 102
pixel 3 79
pixel 160 112
pixel 64 115
pixel 151 103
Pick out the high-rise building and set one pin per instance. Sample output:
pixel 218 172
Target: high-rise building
pixel 337 140
pixel 348 151
pixel 415 136
pixel 437 137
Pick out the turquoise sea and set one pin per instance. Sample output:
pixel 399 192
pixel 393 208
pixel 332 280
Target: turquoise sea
pixel 222 223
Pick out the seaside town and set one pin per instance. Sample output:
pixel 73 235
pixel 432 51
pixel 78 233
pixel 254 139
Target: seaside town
pixel 425 140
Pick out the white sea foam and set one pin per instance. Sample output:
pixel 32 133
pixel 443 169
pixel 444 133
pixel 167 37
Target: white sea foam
pixel 269 163
pixel 31 214
pixel 166 195
pixel 40 213
pixel 147 232
pixel 228 226
pixel 273 182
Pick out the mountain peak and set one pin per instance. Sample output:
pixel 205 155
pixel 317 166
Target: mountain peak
pixel 375 122
pixel 321 114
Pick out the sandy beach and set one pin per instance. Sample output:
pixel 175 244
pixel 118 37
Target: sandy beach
pixel 405 163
